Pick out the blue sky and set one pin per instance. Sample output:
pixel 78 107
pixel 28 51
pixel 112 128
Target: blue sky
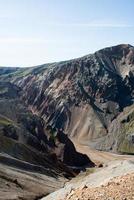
pixel 34 32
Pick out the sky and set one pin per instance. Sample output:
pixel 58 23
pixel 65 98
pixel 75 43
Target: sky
pixel 34 32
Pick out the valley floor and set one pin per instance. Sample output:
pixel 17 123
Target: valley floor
pixel 99 156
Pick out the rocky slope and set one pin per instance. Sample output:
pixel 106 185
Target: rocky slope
pixel 85 97
pixel 103 183
pixel 29 165
pixel 22 180
pixel 118 188
pixel 53 116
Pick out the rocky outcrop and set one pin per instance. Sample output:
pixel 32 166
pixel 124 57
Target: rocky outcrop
pixel 65 150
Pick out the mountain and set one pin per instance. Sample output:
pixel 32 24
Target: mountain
pixel 26 149
pixel 85 97
pixel 50 113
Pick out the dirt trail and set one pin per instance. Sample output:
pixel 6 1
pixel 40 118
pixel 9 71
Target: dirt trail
pixel 99 156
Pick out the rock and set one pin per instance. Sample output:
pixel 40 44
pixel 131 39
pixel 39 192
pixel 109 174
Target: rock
pixel 100 165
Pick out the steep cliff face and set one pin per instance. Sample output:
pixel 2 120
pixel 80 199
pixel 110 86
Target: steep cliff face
pixel 83 96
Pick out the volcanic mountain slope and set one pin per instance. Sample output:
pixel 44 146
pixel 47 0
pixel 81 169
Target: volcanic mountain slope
pixel 88 97
pixel 48 110
pixel 29 165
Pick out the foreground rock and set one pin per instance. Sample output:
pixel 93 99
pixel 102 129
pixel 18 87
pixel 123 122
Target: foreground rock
pixel 119 188
pixel 95 179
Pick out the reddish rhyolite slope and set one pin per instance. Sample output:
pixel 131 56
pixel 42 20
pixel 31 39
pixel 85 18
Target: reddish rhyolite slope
pixel 84 96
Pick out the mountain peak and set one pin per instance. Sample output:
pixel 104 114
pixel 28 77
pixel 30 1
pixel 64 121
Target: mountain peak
pixel 119 47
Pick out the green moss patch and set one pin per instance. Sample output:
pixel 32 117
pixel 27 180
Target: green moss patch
pixel 126 144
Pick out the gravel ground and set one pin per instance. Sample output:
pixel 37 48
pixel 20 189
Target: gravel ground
pixel 119 188
pixel 111 182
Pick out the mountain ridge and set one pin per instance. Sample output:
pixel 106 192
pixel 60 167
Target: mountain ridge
pixel 101 83
pixel 46 63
